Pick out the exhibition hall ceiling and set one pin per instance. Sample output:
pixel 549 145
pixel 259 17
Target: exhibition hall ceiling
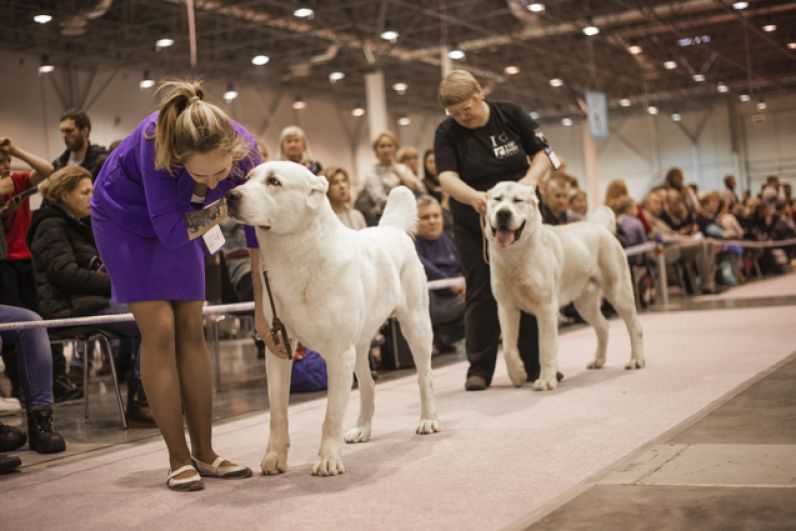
pixel 673 54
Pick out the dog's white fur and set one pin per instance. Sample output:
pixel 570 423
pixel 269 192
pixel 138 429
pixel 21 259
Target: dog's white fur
pixel 333 288
pixel 543 267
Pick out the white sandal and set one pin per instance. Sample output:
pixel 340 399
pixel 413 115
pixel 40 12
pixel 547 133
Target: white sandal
pixel 217 470
pixel 194 482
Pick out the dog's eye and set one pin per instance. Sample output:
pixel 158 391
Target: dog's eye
pixel 273 181
pixel 518 200
pixel 498 198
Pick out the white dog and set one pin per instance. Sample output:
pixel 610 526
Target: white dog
pixel 333 288
pixel 538 268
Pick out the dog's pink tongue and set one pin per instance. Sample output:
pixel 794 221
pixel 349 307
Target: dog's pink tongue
pixel 504 237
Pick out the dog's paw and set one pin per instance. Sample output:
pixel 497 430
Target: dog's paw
pixel 518 376
pixel 328 466
pixel 596 363
pixel 546 384
pixel 635 364
pixel 273 463
pixel 357 435
pixel 427 426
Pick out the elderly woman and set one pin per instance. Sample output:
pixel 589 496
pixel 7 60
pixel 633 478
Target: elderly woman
pixel 293 146
pixel 385 175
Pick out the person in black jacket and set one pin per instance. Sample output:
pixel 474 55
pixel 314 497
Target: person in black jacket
pixel 70 277
pixel 75 128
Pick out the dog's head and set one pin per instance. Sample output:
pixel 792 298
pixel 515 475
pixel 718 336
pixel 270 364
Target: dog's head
pixel 512 211
pixel 278 196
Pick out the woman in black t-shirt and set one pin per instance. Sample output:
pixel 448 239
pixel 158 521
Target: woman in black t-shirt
pixel 480 144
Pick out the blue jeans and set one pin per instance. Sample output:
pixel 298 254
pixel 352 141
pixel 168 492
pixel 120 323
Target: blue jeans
pixel 34 357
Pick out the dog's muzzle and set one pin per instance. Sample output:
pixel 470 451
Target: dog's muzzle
pixel 503 235
pixel 234 201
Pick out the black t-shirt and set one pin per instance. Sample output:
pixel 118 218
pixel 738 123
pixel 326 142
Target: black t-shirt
pixel 484 156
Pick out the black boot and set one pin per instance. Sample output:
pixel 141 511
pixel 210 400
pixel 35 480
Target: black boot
pixel 9 463
pixel 44 438
pixel 11 438
pixel 137 410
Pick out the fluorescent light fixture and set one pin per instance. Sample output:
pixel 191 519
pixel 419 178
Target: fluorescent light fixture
pixel 358 111
pixel 299 103
pixel 456 54
pixel 42 19
pixel 699 78
pixel 670 65
pixel 745 98
pixel 625 102
pixel 761 105
pixel 511 70
pixel 534 115
pixel 390 35
pixel 404 121
pixel 768 28
pixel 556 82
pixel 45 67
pixel 400 88
pixel 535 7
pixel 676 116
pixel 792 44
pixel 146 82
pixel 722 87
pixel 230 95
pixel 635 49
pixel 303 12
pixel 163 43
pixel 693 41
pixel 260 60
pixel 334 77
pixel 740 5
pixel 652 109
pixel 566 122
pixel 591 30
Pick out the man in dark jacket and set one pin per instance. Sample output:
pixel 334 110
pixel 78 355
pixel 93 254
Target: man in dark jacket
pixel 75 128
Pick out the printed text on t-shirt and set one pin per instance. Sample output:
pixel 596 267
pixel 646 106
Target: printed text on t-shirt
pixel 502 146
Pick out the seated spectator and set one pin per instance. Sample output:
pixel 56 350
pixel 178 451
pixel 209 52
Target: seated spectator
pixel 35 366
pixel 440 259
pixel 629 229
pixel 677 215
pixel 430 179
pixel 70 276
pixel 729 196
pixel 555 201
pixel 339 194
pixel 409 157
pixel 674 179
pixel 578 206
pixel 293 146
pixel 707 219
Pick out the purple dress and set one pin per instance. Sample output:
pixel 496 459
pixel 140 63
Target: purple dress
pixel 138 219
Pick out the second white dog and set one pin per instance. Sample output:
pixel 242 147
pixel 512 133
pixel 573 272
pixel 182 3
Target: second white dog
pixel 538 268
pixel 333 288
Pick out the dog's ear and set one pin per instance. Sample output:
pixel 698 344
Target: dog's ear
pixel 317 192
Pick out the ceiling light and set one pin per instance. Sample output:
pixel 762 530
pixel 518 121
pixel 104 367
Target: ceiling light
pixel 652 109
pixel 42 19
pixel 635 49
pixel 745 98
pixel 792 44
pixel 146 82
pixel 676 116
pixel 511 70
pixel 400 88
pixel 535 7
pixel 740 5
pixel 260 60
pixel 334 77
pixel 303 12
pixel 230 95
pixel 670 65
pixel 404 121
pixel 163 43
pixel 699 78
pixel 769 26
pixel 390 35
pixel 46 66
pixel 566 122
pixel 722 87
pixel 534 115
pixel 693 41
pixel 761 105
pixel 625 102
pixel 299 103
pixel 358 111
pixel 591 30
pixel 456 54
pixel 556 82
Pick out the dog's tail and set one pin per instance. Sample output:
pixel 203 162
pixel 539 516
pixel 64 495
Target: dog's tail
pixel 400 211
pixel 605 217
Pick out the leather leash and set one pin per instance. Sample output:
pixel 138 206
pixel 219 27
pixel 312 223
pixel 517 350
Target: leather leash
pixel 484 243
pixel 277 327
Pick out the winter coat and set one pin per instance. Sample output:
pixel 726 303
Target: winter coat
pixel 70 279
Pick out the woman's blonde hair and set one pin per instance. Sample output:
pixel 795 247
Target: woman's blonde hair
pixel 187 124
pixel 457 87
pixel 389 135
pixel 287 132
pixel 406 153
pixel 615 189
pixel 63 182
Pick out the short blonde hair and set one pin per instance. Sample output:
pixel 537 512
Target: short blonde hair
pixel 387 134
pixel 457 87
pixel 287 132
pixel 187 124
pixel 63 182
pixel 406 152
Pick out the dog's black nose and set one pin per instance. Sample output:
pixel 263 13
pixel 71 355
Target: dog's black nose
pixel 503 218
pixel 233 196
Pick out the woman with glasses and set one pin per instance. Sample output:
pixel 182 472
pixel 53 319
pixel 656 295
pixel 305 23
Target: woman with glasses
pixel 480 144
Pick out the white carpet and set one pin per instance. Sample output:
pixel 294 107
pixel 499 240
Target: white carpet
pixel 501 454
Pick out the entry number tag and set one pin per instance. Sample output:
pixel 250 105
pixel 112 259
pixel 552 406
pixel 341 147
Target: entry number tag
pixel 214 240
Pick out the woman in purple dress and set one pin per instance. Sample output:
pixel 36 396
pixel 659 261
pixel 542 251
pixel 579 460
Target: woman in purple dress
pixel 153 205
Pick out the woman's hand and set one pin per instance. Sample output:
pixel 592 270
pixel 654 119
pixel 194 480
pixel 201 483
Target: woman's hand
pixel 478 201
pixel 272 341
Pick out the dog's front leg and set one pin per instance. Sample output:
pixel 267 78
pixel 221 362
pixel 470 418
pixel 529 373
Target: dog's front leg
pixel 278 374
pixel 340 371
pixel 548 348
pixel 509 317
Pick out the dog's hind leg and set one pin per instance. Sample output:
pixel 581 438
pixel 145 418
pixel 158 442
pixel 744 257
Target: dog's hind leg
pixel 416 328
pixel 278 374
pixel 588 306
pixel 509 318
pixel 620 295
pixel 361 432
pixel 340 369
